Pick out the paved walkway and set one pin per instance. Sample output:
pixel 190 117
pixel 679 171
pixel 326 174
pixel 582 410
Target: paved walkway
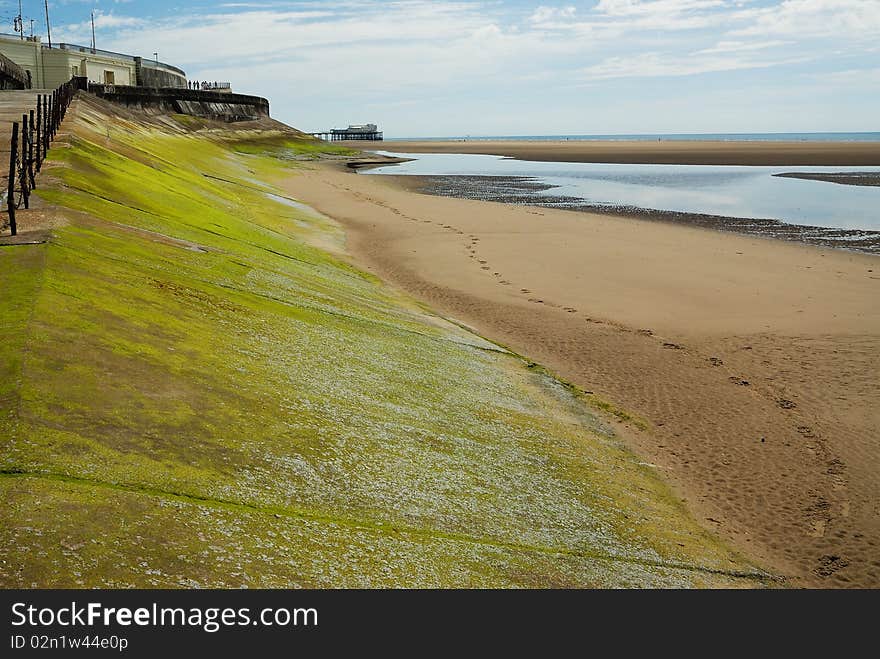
pixel 13 104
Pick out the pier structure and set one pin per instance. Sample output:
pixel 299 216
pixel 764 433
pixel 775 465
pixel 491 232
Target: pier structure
pixel 368 132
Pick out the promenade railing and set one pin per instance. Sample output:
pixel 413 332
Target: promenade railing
pixel 31 139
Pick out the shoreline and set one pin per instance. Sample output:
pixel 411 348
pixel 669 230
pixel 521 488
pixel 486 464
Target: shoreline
pixel 683 152
pixel 749 360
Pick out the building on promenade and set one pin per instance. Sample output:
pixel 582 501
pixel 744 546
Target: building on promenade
pixel 47 67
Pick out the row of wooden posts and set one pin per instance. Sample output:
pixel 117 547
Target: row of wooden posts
pixel 31 139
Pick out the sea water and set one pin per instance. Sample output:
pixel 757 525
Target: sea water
pixel 723 190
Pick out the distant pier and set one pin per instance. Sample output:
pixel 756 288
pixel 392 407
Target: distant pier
pixel 368 132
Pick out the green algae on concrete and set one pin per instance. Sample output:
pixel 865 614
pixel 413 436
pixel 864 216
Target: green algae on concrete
pixel 202 392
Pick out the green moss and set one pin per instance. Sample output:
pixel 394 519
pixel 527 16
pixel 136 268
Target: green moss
pixel 21 275
pixel 200 395
pixel 284 147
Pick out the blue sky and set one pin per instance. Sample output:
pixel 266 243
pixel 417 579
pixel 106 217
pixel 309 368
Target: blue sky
pixel 498 67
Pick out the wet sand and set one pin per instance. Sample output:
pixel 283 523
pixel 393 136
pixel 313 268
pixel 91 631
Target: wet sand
pixel 645 152
pixel 752 362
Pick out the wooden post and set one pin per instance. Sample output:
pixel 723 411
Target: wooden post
pixel 30 152
pixel 39 132
pixel 10 198
pixel 45 125
pixel 25 192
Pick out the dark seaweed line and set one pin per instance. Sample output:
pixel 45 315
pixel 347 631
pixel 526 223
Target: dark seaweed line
pixel 388 527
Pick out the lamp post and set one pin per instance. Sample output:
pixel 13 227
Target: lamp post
pixel 48 29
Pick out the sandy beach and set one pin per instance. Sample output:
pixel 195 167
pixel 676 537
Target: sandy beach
pixel 749 365
pixel 647 152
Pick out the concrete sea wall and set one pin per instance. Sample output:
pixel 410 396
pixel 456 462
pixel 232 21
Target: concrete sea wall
pixel 215 105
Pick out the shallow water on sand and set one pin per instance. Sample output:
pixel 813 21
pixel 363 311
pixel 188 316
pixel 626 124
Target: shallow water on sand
pixel 722 190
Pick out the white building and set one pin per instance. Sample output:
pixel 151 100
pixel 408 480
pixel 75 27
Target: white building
pixel 50 67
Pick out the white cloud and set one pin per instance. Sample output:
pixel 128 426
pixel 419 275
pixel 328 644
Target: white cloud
pixel 654 7
pixel 653 65
pixel 847 19
pixel 857 78
pixel 614 18
pixel 82 32
pixel 741 46
pixel 547 14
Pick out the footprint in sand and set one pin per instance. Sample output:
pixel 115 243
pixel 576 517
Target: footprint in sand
pixel 739 381
pixel 817 514
pixel 570 309
pixel 817 528
pixel 836 467
pixel 829 564
pixel 524 290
